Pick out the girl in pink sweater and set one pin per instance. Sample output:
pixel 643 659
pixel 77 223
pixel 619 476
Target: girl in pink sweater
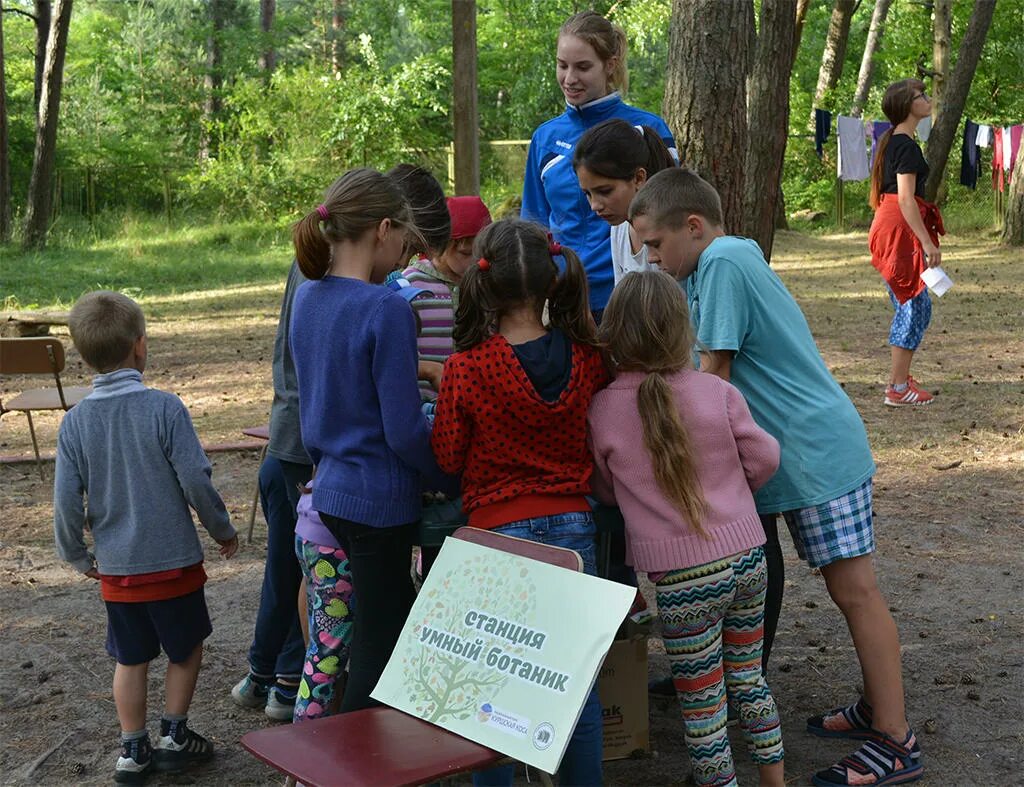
pixel 680 454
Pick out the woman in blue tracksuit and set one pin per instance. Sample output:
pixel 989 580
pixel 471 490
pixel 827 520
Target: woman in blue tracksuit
pixel 591 70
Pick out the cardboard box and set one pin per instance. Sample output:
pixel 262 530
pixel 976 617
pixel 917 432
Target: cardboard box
pixel 622 686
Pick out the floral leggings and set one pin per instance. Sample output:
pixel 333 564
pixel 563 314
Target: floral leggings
pixel 331 615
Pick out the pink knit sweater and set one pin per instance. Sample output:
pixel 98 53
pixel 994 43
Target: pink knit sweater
pixel 733 456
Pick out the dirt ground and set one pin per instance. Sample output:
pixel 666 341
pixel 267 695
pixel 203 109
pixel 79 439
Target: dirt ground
pixel 949 494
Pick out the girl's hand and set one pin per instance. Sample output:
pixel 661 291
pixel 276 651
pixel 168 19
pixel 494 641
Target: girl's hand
pixel 229 547
pixel 431 372
pixel 932 255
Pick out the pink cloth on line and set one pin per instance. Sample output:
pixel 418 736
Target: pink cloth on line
pixel 733 456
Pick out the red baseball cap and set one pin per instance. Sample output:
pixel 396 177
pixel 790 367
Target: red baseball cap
pixel 469 216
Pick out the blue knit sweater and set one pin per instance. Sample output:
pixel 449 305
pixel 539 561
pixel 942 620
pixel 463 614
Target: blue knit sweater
pixel 354 347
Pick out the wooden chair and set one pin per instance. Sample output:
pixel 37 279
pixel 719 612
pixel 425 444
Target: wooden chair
pixel 260 433
pixel 383 747
pixel 37 355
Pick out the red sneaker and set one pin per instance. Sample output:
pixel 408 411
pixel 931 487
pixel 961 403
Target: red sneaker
pixel 911 396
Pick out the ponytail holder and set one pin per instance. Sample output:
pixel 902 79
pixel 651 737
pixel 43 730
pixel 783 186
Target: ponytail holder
pixel 483 264
pixel 323 212
pixel 554 247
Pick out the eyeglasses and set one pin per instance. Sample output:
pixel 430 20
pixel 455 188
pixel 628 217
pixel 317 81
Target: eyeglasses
pixel 921 95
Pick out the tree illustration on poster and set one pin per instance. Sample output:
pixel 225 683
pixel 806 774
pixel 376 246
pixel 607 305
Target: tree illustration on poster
pixel 445 685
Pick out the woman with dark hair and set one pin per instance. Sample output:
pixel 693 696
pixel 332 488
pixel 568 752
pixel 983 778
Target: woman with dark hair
pixel 591 71
pixel 904 237
pixel 612 161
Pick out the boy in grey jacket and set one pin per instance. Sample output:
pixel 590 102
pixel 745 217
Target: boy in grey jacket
pixel 131 452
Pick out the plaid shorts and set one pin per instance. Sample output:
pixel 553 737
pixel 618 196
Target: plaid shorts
pixel 835 530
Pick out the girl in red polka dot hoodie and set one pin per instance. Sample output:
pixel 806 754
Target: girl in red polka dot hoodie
pixel 512 412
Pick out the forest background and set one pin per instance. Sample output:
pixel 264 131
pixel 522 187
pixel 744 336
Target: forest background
pixel 190 108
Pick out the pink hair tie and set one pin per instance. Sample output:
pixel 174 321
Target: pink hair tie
pixel 323 212
pixel 554 247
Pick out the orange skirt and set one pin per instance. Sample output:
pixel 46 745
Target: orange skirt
pixel 896 252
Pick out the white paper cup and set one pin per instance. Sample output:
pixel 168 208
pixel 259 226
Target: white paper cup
pixel 937 281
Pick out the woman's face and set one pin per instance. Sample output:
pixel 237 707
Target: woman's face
pixel 609 198
pixel 581 74
pixel 921 107
pixel 392 251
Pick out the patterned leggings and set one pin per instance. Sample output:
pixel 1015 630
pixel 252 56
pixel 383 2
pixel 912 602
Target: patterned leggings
pixel 712 624
pixel 331 614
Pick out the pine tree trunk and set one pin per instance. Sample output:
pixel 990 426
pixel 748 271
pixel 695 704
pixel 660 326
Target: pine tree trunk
pixel 268 57
pixel 798 32
pixel 1013 229
pixel 867 62
pixel 5 161
pixel 943 131
pixel 40 197
pixel 464 87
pixel 213 78
pixel 835 51
pixel 705 94
pixel 43 12
pixel 768 112
pixel 942 21
pixel 337 36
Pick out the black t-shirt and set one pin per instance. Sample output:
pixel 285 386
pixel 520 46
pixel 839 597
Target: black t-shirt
pixel 903 157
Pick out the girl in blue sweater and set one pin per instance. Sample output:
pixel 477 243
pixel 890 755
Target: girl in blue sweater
pixel 354 347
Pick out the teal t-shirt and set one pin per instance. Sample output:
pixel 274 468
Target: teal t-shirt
pixel 738 303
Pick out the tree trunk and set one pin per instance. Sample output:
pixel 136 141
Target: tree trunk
pixel 1013 229
pixel 464 86
pixel 835 51
pixel 43 11
pixel 768 112
pixel 268 57
pixel 705 94
pixel 5 161
pixel 213 78
pixel 40 197
pixel 338 36
pixel 798 32
pixel 944 129
pixel 942 28
pixel 867 62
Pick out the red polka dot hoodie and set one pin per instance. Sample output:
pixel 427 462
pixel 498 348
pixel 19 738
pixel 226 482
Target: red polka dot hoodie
pixel 520 456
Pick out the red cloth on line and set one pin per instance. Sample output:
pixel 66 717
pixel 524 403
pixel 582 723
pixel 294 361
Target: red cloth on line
pixel 997 158
pixel 520 456
pixel 896 252
pixel 155 586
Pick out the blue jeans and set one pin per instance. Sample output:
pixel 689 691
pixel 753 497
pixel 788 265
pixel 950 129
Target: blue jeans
pixel 277 647
pixel 581 765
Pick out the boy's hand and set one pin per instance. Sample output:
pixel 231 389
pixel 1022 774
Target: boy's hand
pixel 92 573
pixel 229 547
pixel 431 372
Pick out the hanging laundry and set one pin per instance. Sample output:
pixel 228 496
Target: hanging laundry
pixel 969 155
pixel 984 136
pixel 1015 134
pixel 1007 148
pixel 852 161
pixel 822 128
pixel 997 159
pixel 924 128
pixel 878 127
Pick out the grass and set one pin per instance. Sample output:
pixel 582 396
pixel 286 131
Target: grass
pixel 144 258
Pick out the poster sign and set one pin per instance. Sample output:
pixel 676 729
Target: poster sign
pixel 503 650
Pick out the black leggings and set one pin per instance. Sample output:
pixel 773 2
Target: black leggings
pixel 379 558
pixel 776 584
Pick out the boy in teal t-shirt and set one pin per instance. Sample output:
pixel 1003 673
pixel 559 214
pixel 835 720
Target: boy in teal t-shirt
pixel 751 332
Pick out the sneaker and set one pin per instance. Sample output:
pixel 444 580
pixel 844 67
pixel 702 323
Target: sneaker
pixel 881 760
pixel 135 762
pixel 181 749
pixel 912 395
pixel 250 693
pixel 853 722
pixel 280 706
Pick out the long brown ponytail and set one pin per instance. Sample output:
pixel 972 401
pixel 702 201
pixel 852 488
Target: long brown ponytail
pixel 355 203
pixel 646 327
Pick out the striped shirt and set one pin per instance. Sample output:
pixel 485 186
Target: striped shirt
pixel 436 311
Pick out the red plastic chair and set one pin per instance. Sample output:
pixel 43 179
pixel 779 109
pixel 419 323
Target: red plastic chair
pixel 383 747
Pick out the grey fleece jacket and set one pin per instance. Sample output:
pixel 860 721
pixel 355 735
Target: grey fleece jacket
pixel 133 454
